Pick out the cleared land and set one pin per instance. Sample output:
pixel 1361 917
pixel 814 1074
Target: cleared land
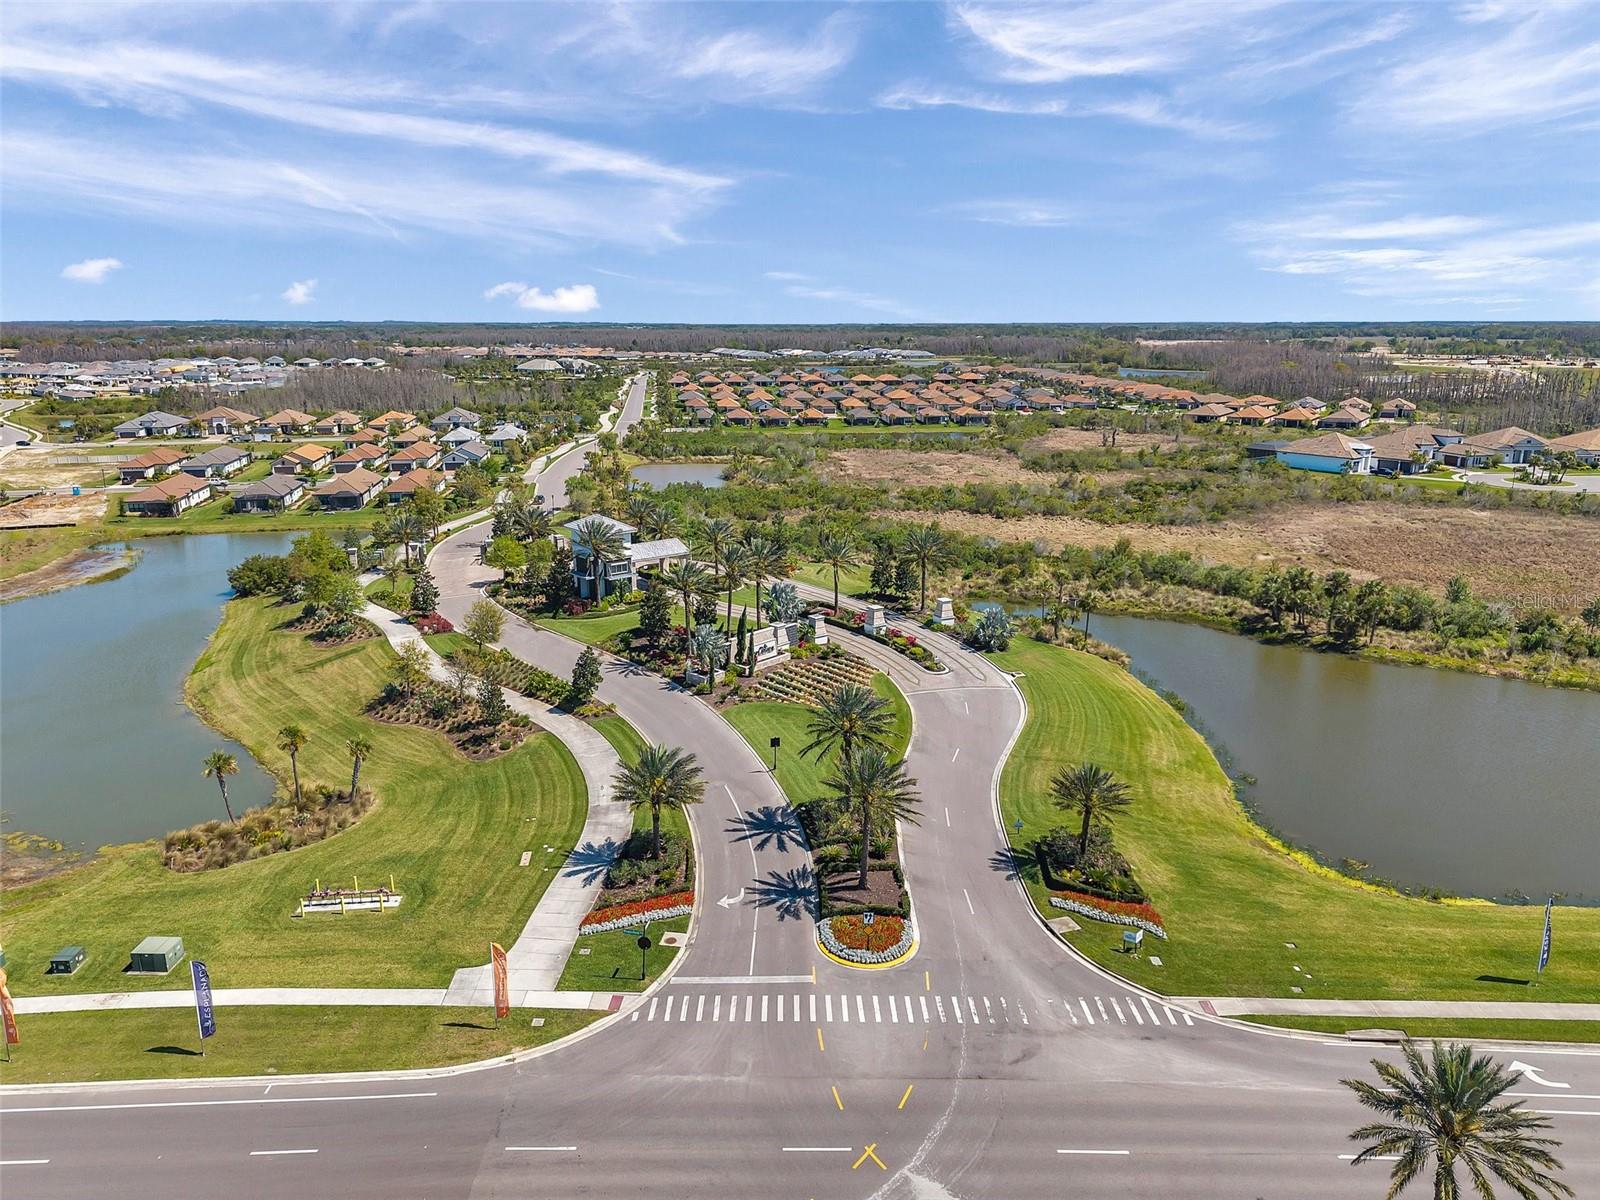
pixel 1534 557
pixel 926 468
pixel 24 470
pixel 161 1043
pixel 449 831
pixel 1232 899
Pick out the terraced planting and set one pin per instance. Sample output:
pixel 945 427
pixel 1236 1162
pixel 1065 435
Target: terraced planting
pixel 809 681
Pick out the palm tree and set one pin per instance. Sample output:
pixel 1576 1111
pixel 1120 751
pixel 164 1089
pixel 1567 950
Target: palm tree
pixel 406 527
pixel 219 765
pixel 712 537
pixel 604 544
pixel 766 558
pixel 359 749
pixel 708 646
pixel 926 544
pixel 735 570
pixel 529 522
pixel 1448 1110
pixel 1092 790
pixel 689 579
pixel 640 508
pixel 661 777
pixel 291 740
pixel 838 552
pixel 852 716
pixel 876 789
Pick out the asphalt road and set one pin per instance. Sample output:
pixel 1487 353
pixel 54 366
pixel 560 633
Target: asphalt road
pixel 993 1064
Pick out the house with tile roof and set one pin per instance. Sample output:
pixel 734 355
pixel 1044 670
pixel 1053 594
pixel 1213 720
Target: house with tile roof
pixel 169 497
pixel 1332 453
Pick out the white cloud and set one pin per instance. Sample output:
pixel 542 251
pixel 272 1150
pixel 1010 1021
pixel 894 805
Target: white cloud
pixel 91 270
pixel 768 64
pixel 301 291
pixel 786 276
pixel 1027 214
pixel 574 298
pixel 1145 109
pixel 808 287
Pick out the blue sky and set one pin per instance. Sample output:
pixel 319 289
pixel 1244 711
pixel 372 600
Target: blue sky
pixel 1099 161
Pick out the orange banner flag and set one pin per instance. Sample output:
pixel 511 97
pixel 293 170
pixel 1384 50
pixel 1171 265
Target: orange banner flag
pixel 9 1012
pixel 502 983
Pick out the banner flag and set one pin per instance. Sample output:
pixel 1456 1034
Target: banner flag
pixel 203 1010
pixel 502 984
pixel 1544 944
pixel 9 1012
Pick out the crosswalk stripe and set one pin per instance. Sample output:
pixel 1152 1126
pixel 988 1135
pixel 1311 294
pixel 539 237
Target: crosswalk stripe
pixel 763 1007
pixel 988 1010
pixel 1022 1012
pixel 955 1002
pixel 877 1012
pixel 683 1010
pixel 1089 1016
pixel 1154 1020
pixel 861 1009
pixel 1134 1009
pixel 797 1008
pixel 814 1009
pixel 973 1005
pixel 1118 1009
pixel 828 1003
pixel 749 1003
pixel 939 1001
pixel 894 1013
pixel 652 1015
pixel 925 1017
pixel 666 1010
pixel 1187 1019
pixel 716 1008
pixel 1070 1011
pixel 700 1008
pixel 1098 1003
pixel 1171 1017
pixel 636 1014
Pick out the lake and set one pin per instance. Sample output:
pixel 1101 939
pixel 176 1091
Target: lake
pixel 661 474
pixel 1476 785
pixel 96 743
pixel 1158 373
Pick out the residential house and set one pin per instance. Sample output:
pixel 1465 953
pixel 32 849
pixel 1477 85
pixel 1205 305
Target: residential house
pixel 1411 450
pixel 1331 452
pixel 459 436
pixel 1302 418
pixel 216 464
pixel 457 418
pixel 466 454
pixel 350 490
pixel 1509 445
pixel 505 435
pixel 303 460
pixel 1343 418
pixel 1254 414
pixel 152 424
pixel 169 497
pixel 418 455
pixel 1210 412
pixel 409 484
pixel 334 424
pixel 225 421
pixel 1268 449
pixel 371 457
pixel 393 421
pixel 639 561
pixel 363 437
pixel 1584 445
pixel 150 464
pixel 272 494
pixel 1397 410
pixel 287 422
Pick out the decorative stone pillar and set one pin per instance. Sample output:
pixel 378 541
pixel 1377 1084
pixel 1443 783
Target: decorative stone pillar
pixel 819 629
pixel 944 611
pixel 876 624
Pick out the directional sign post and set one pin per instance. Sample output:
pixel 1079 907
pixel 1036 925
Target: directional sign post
pixel 775 743
pixel 644 951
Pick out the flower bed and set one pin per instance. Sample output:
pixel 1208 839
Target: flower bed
pixel 849 938
pixel 897 640
pixel 1116 912
pixel 432 623
pixel 657 908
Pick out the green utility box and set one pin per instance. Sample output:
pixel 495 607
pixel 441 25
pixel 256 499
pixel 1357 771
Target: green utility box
pixel 66 960
pixel 155 956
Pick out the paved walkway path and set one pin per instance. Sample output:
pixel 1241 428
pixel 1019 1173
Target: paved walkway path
pixel 340 997
pixel 535 961
pixel 1516 1010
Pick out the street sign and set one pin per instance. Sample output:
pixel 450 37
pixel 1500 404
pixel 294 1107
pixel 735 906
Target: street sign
pixel 644 953
pixel 644 942
pixel 634 932
pixel 866 918
pixel 775 743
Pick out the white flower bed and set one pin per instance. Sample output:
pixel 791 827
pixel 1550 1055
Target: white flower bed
pixel 869 958
pixel 644 918
pixel 1099 914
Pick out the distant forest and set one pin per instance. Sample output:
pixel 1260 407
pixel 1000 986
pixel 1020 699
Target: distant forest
pixel 1328 360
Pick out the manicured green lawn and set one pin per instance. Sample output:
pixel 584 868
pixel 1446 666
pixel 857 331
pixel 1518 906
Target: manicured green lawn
pixel 1230 897
pixel 854 581
pixel 801 777
pixel 612 964
pixel 1455 1028
pixel 592 631
pixel 449 831
pixel 396 598
pixel 161 1042
pixel 625 740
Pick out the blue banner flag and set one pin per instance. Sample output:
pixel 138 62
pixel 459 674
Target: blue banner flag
pixel 1544 944
pixel 203 1011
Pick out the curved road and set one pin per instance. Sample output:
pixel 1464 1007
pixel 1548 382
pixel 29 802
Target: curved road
pixel 993 1064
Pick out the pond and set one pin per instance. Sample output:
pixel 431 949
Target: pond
pixel 96 743
pixel 1159 373
pixel 659 475
pixel 1476 785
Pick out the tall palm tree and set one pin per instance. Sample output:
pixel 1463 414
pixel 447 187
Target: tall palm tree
pixel 661 777
pixel 604 544
pixel 291 740
pixel 219 765
pixel 876 790
pixel 735 570
pixel 712 537
pixel 1091 790
pixel 359 748
pixel 838 552
pixel 529 522
pixel 851 716
pixel 766 558
pixel 1448 1111
pixel 640 507
pixel 406 527
pixel 689 579
pixel 929 546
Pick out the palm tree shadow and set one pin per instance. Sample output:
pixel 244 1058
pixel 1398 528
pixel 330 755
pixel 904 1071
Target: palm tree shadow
pixel 1008 863
pixel 590 862
pixel 770 825
pixel 792 893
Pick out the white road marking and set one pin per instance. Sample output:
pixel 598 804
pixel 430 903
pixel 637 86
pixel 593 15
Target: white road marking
pixel 973 1004
pixel 1134 1009
pixel 272 1153
pixel 894 1013
pixel 23 1162
pixel 749 1004
pixel 1187 1019
pixel 956 755
pixel 653 1000
pixel 1104 1016
pixel 1071 1013
pixel 797 1006
pixel 1171 1016
pixel 939 1001
pixel 666 1013
pixel 814 1009
pixel 970 909
pixel 827 1002
pixel 955 1004
pixel 763 1008
pixel 861 1009
pixel 700 1007
pixel 1154 1020
pixel 1547 1096
pixel 947 818
pixel 1118 1009
pixel 1374 1158
pixel 1022 1012
pixel 1568 1112
pixel 740 980
pixel 55 1108
pixel 818 1149
pixel 844 1009
pixel 877 1012
pixel 1094 1152
pixel 533 1149
pixel 1089 1016
pixel 988 1009
pixel 928 1019
pixel 716 1008
pixel 964 707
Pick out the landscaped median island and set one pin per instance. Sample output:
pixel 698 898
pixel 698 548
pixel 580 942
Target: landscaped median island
pixel 1243 914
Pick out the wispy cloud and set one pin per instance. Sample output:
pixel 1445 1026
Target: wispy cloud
pixel 91 270
pixel 767 63
pixel 808 287
pixel 1143 109
pixel 1026 214
pixel 574 298
pixel 301 291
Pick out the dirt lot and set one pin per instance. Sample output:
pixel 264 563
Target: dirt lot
pixel 1089 439
pixel 52 510
pixel 928 468
pixel 24 470
pixel 1525 557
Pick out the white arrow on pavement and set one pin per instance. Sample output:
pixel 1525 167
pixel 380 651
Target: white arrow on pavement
pixel 1534 1077
pixel 730 901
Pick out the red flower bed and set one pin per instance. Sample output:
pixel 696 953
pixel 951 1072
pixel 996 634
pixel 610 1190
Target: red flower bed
pixel 432 623
pixel 881 935
pixel 639 908
pixel 1121 908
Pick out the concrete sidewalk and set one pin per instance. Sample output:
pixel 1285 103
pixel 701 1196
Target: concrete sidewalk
pixel 340 997
pixel 535 961
pixel 1235 1006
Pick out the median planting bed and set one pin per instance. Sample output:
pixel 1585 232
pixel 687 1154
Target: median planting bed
pixel 886 939
pixel 1116 912
pixel 655 908
pixel 897 639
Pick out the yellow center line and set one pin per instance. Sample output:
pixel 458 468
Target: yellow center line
pixel 872 1153
pixel 813 974
pixel 927 981
pixel 836 1098
pixel 907 1096
pixel 820 1046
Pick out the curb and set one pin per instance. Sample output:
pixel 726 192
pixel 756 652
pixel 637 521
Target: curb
pixel 916 944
